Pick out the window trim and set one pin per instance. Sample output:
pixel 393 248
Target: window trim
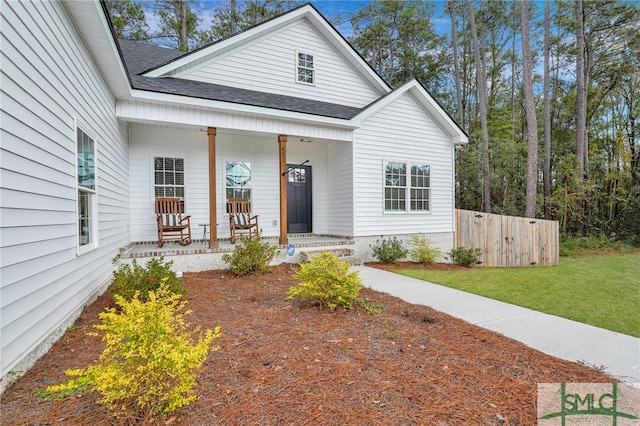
pixel 153 178
pixel 224 178
pixel 407 187
pixel 298 67
pixel 93 193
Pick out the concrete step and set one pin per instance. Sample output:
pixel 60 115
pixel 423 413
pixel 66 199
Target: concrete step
pixel 344 254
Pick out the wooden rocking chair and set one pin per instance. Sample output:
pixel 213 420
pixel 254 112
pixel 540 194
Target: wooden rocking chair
pixel 172 224
pixel 240 218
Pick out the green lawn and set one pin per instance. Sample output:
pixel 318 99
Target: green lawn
pixel 599 290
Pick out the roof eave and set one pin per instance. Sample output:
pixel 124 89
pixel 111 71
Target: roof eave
pixel 145 96
pixel 95 29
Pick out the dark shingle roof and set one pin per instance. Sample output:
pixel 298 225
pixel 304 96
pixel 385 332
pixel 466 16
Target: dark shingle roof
pixel 140 57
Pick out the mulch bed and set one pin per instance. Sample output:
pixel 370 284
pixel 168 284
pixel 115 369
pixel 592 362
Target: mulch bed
pixel 281 363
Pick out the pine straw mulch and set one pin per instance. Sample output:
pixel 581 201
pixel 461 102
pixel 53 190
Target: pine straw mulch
pixel 281 363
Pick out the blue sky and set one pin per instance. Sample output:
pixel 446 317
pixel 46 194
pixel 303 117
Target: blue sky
pixel 329 8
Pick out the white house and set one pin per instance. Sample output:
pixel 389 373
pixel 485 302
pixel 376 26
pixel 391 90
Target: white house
pixel 285 113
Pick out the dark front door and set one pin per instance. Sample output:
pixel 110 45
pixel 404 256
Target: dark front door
pixel 299 199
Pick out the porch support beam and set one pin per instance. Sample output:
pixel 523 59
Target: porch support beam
pixel 282 148
pixel 213 216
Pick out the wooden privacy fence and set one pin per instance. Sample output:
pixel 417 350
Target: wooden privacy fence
pixel 508 241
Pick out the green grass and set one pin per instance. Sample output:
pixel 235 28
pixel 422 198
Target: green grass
pixel 603 291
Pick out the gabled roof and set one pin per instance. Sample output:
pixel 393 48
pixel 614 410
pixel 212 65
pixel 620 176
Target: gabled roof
pixel 308 12
pixel 129 66
pixel 139 57
pixel 428 103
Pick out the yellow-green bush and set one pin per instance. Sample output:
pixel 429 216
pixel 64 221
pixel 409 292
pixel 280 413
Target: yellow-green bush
pixel 150 362
pixel 327 281
pixel 422 252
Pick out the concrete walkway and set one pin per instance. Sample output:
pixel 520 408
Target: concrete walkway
pixel 556 336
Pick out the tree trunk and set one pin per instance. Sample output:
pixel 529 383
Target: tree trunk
pixel 530 113
pixel 581 113
pixel 546 166
pixel 456 67
pixel 481 79
pixel 233 17
pixel 183 42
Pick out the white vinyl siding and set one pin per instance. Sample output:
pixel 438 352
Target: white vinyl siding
pixel 48 80
pixel 340 189
pixel 402 131
pixel 336 81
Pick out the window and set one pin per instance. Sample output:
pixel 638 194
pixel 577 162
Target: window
pixel 86 171
pixel 395 187
pixel 400 192
pixel 169 177
pixel 238 179
pixel 297 175
pixel 305 68
pixel 420 186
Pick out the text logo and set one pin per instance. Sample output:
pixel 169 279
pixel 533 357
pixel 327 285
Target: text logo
pixel 579 404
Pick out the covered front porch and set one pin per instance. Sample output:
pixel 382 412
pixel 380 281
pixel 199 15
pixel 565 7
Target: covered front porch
pixel 286 177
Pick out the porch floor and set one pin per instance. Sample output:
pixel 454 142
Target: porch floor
pixel 151 249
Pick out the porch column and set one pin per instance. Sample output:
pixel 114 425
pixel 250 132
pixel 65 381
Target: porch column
pixel 213 212
pixel 282 148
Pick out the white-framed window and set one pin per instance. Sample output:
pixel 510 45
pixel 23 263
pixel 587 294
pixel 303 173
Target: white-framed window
pixel 305 68
pixel 420 195
pixel 395 186
pixel 407 186
pixel 237 179
pixel 86 189
pixel 168 177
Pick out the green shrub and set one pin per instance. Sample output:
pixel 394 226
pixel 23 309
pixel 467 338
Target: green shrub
pixel 131 279
pixel 326 280
pixel 250 256
pixel 151 357
pixel 388 250
pixel 465 256
pixel 421 251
